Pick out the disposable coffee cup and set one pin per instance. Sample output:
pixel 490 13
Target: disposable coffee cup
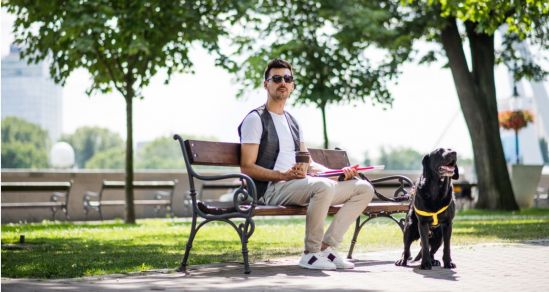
pixel 302 160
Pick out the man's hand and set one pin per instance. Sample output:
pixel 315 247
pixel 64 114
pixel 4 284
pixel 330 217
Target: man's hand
pixel 350 171
pixel 292 173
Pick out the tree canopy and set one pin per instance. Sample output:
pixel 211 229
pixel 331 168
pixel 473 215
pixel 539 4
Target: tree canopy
pixel 328 67
pixel 24 144
pixel 88 141
pixel 122 44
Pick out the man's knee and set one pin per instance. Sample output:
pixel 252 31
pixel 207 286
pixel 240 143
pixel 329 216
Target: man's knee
pixel 365 190
pixel 323 189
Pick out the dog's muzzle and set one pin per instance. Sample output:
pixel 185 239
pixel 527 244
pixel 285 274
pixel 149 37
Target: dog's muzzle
pixel 446 170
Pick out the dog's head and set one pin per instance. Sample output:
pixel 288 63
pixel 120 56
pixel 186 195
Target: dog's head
pixel 440 163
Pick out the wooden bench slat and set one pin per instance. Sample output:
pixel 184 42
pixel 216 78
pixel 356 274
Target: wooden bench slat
pixel 213 153
pixel 216 207
pixel 35 186
pixel 136 202
pixel 335 159
pixel 33 204
pixel 111 184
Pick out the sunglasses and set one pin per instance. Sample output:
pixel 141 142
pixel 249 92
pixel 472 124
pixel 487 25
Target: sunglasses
pixel 278 78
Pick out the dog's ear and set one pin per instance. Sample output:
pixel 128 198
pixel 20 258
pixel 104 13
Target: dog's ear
pixel 425 163
pixel 456 172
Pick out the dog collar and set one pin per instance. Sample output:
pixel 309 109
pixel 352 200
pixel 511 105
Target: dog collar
pixel 432 214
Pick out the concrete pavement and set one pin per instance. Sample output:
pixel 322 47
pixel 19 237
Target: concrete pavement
pixel 483 267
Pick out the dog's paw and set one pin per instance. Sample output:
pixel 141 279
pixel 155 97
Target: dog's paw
pixel 435 263
pixel 426 265
pixel 401 263
pixel 449 265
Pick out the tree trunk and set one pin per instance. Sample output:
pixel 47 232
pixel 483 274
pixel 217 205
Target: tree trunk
pixel 324 129
pixel 130 209
pixel 477 96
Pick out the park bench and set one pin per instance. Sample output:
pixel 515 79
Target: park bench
pixel 245 206
pixel 162 197
pixel 56 192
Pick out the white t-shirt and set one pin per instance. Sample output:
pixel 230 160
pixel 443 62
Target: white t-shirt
pixel 252 129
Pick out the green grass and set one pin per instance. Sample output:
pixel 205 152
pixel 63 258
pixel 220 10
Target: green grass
pixel 66 250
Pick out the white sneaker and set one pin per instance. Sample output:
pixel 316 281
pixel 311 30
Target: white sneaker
pixel 316 261
pixel 336 259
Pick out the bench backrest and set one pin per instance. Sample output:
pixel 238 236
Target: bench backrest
pixel 40 188
pixel 228 154
pixel 36 186
pixel 168 185
pixel 115 184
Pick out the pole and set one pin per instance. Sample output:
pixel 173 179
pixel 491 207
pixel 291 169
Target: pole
pixel 517 146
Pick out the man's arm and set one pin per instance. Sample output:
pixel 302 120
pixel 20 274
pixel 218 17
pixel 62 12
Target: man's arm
pixel 248 156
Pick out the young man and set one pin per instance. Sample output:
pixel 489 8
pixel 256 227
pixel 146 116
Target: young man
pixel 270 136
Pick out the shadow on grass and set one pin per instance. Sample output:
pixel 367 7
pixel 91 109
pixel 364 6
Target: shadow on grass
pixel 70 254
pixel 512 230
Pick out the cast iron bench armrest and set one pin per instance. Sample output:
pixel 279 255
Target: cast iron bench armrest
pixel 247 190
pixel 400 195
pixel 55 196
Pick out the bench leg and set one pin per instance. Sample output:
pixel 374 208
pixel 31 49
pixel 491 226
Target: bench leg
pixel 53 211
pixel 246 230
pixel 100 213
pixel 183 266
pixel 66 212
pixel 359 226
pixel 355 236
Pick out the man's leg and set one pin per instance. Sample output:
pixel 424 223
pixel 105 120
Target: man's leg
pixel 317 193
pixel 355 195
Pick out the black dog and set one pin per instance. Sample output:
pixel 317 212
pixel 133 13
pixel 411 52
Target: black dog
pixel 432 210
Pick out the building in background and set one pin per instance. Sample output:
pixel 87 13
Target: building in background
pixel 28 92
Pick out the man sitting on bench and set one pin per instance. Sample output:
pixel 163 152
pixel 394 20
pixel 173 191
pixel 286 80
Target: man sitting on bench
pixel 269 138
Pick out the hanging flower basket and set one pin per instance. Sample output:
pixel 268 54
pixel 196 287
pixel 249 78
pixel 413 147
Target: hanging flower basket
pixel 515 120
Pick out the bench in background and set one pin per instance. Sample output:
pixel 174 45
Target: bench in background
pixel 57 192
pixel 161 198
pixel 244 205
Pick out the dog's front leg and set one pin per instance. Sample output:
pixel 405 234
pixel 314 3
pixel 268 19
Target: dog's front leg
pixel 408 238
pixel 446 257
pixel 426 263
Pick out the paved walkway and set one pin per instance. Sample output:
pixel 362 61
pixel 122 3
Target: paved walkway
pixel 487 267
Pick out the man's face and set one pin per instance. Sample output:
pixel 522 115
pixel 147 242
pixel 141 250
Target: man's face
pixel 282 90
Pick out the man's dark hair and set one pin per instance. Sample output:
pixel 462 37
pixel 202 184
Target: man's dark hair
pixel 277 63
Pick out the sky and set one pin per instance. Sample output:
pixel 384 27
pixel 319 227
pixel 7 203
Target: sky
pixel 425 114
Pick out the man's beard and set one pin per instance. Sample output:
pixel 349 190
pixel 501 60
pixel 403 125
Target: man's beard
pixel 281 95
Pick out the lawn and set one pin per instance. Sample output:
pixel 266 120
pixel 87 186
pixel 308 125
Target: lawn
pixel 66 250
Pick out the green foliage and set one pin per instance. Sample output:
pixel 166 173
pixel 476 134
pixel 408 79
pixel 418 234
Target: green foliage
pixel 24 144
pixel 328 66
pixel 523 21
pixel 112 158
pixel 400 158
pixel 88 141
pixel 161 153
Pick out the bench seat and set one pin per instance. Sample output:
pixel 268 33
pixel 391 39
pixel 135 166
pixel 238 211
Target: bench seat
pixel 217 208
pixel 162 195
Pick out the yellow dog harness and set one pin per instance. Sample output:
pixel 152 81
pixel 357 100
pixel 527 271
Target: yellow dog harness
pixel 432 214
